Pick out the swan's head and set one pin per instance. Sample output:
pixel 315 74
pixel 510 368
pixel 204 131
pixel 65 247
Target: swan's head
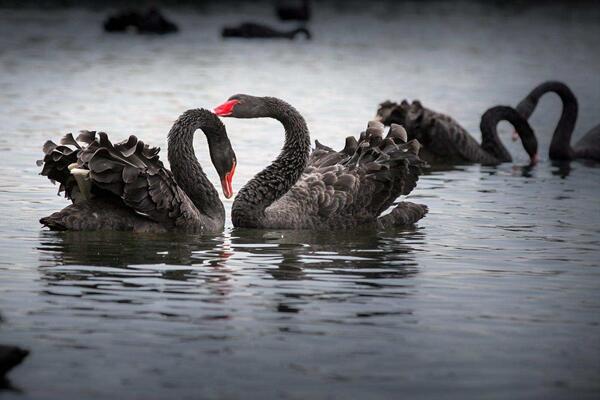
pixel 223 158
pixel 385 111
pixel 393 113
pixel 524 131
pixel 530 144
pixel 244 106
pixel 220 150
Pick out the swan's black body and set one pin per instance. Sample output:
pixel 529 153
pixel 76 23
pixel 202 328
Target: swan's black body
pixel 130 187
pixel 259 31
pixel 10 357
pixel 150 21
pixel 587 147
pixel 287 12
pixel 445 141
pixel 326 189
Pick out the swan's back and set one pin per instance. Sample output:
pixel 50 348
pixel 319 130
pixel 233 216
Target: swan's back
pixel 443 139
pixel 589 145
pixel 351 187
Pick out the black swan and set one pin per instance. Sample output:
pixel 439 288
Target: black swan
pixel 126 187
pixel 560 148
pixel 445 141
pixel 10 357
pixel 326 189
pixel 287 12
pixel 150 21
pixel 122 21
pixel 258 31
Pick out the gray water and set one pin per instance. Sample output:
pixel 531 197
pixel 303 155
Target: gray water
pixel 495 294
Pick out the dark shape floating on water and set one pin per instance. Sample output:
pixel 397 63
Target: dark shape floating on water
pixel 287 11
pixel 10 357
pixel 588 147
pixel 445 141
pixel 150 21
pixel 124 186
pixel 327 189
pixel 251 30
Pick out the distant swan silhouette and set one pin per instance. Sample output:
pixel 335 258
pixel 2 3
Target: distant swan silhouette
pixel 587 147
pixel 445 141
pixel 251 30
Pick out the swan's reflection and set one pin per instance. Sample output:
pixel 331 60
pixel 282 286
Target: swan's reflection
pixel 120 249
pixel 5 366
pixel 131 268
pixel 110 266
pixel 344 264
pixel 337 251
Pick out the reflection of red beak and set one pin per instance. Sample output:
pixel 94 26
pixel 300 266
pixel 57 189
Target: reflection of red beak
pixel 226 182
pixel 225 109
pixel 515 136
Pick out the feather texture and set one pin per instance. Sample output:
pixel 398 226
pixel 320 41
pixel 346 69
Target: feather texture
pixel 352 187
pixel 130 187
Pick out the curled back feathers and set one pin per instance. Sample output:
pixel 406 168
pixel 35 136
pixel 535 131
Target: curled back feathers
pixel 365 177
pixel 130 170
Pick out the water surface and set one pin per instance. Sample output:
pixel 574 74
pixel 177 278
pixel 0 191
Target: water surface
pixel 495 291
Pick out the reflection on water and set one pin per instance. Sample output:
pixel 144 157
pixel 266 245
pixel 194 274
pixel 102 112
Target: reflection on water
pixel 495 291
pixel 89 264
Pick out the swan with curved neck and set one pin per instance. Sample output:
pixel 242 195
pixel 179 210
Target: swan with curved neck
pixel 124 186
pixel 560 147
pixel 251 30
pixel 326 189
pixel 446 141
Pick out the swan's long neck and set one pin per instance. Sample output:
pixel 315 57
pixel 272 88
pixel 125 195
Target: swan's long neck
pixel 560 147
pixel 186 168
pixel 491 141
pixel 276 179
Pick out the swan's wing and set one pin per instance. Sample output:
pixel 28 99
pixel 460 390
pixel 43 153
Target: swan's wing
pixel 130 171
pixel 442 135
pixel 355 184
pixel 589 145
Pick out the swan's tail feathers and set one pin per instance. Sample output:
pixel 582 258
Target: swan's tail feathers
pixel 371 172
pixel 404 214
pixel 391 163
pixel 303 31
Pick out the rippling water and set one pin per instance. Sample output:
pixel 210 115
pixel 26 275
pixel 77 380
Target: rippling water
pixel 496 291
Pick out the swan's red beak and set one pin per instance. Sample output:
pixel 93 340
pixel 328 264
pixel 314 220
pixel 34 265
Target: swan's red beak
pixel 515 136
pixel 226 182
pixel 226 109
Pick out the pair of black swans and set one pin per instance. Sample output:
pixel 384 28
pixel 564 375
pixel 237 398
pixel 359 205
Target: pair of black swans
pixel 445 141
pixel 126 187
